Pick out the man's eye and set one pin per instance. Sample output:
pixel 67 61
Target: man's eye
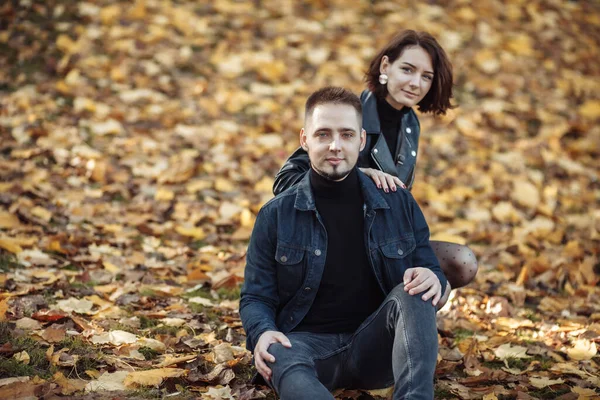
pixel 348 135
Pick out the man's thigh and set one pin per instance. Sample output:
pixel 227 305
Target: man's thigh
pixel 369 356
pixel 310 353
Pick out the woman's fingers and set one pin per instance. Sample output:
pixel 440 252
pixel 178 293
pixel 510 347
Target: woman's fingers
pixel 391 181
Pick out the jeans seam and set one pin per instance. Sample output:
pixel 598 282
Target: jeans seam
pixel 407 347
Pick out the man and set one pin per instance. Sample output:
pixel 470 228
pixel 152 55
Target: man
pixel 341 283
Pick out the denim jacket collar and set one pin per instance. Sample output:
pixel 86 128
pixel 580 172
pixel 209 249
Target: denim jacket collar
pixel 305 200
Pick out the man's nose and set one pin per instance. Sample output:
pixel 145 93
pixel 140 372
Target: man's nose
pixel 335 144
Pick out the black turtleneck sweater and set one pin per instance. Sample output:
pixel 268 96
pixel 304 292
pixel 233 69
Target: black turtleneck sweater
pixel 390 120
pixel 348 292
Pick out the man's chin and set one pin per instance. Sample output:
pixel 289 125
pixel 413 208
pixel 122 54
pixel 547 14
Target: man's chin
pixel 333 175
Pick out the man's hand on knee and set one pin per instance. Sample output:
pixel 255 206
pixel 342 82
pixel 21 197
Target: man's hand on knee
pixel 261 354
pixel 418 280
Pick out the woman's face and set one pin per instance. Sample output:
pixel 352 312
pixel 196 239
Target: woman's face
pixel 409 77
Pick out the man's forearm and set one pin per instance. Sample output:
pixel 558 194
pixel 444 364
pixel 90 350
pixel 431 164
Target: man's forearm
pixel 257 317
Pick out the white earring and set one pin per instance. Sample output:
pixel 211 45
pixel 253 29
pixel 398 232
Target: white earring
pixel 383 78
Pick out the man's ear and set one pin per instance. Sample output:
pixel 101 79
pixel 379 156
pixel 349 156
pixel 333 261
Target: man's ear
pixel 303 140
pixel 383 66
pixel 363 139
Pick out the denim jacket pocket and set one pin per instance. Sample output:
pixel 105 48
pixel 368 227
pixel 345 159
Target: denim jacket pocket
pixel 397 258
pixel 290 270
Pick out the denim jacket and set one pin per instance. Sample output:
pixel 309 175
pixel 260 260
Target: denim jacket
pixel 287 252
pixel 400 162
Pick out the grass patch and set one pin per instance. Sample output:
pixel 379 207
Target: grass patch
pixel 439 393
pixel 38 363
pixel 209 313
pixel 147 292
pixel 148 353
pixel 549 393
pixel 8 262
pixel 462 334
pixel 229 293
pixel 147 323
pixel 199 292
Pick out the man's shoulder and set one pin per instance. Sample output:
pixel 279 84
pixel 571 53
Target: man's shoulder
pixel 283 199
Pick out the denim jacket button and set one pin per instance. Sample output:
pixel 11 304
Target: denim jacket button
pixel 283 258
pixel 291 318
pixel 413 153
pixel 408 130
pixel 307 289
pixel 317 252
pixel 400 252
pixel 375 151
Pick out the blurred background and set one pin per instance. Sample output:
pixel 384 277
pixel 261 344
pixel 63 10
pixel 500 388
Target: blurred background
pixel 138 140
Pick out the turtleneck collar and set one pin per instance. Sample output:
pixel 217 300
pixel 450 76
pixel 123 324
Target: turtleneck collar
pixel 387 112
pixel 325 188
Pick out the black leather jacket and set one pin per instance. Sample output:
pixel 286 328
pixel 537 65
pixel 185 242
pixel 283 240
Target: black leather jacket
pixel 376 154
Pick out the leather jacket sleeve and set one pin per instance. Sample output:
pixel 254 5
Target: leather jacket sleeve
pixel 292 171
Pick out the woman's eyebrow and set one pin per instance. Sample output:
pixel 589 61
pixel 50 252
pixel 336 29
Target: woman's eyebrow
pixel 428 72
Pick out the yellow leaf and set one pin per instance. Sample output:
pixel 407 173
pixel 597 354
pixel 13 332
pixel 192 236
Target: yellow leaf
pixel 525 194
pixel 490 396
pixel 109 14
pixel 590 109
pixel 68 386
pixel 509 351
pixel 10 244
pixel 65 44
pixel 153 377
pixel 544 382
pixel 110 267
pixel 42 213
pixel 582 349
pixel 196 233
pixel 171 360
pixel 22 357
pixel 224 185
pixel 196 186
pixel 9 220
pixel 584 393
pixel 264 185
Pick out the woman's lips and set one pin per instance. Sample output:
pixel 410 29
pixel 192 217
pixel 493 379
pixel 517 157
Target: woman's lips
pixel 410 94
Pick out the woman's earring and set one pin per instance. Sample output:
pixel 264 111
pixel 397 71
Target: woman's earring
pixel 383 78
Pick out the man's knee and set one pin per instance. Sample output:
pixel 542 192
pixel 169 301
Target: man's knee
pixel 415 301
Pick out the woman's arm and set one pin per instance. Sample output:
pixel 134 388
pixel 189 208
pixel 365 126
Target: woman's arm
pixel 292 171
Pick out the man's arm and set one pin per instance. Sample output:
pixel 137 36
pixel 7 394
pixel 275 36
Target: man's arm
pixel 259 298
pixel 292 171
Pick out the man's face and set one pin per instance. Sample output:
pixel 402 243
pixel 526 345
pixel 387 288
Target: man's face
pixel 332 137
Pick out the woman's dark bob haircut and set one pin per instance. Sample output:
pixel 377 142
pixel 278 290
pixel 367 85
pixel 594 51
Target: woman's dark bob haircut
pixel 437 100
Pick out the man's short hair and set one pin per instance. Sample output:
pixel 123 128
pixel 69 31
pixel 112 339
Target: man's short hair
pixel 333 95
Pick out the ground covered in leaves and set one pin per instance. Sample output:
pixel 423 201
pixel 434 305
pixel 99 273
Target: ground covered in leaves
pixel 138 140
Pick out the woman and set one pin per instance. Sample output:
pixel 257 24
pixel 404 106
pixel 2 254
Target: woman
pixel 411 70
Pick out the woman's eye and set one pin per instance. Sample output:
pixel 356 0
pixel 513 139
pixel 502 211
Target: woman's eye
pixel 428 77
pixel 406 69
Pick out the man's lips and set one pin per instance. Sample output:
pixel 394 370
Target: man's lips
pixel 334 161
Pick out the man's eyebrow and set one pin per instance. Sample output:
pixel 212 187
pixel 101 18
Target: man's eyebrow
pixel 428 72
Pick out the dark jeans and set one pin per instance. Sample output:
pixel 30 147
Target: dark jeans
pixel 396 345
